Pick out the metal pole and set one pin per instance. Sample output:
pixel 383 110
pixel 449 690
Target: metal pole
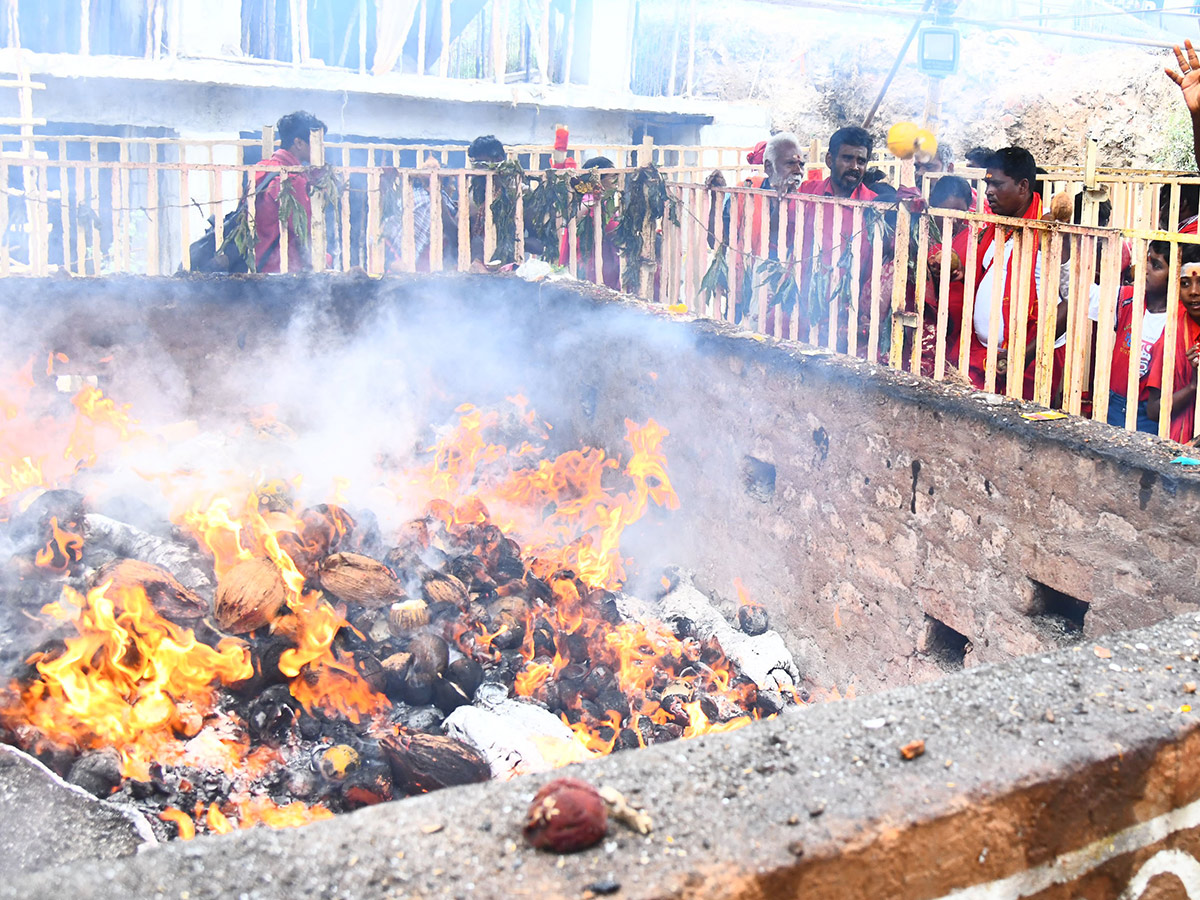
pixel 887 82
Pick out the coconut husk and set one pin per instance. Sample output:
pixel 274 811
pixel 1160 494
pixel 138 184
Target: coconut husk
pixel 249 596
pixel 427 762
pixel 170 599
pixel 403 617
pixel 360 580
pixel 439 587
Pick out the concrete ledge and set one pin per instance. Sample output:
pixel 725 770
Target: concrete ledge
pixel 1057 776
pixel 44 821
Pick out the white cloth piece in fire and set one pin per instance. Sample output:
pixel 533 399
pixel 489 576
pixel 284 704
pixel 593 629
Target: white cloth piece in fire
pixel 516 737
pixel 764 658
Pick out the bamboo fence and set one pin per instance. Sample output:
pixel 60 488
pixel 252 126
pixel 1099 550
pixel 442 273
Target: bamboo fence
pixel 862 279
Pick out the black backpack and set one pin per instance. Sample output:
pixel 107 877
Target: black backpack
pixel 204 254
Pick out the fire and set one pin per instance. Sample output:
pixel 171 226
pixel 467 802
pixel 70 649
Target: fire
pixel 63 549
pixel 121 681
pixel 32 422
pixel 132 680
pixel 319 679
pixel 560 510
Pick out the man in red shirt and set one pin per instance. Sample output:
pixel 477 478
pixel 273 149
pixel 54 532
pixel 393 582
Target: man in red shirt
pixel 1012 173
pixel 294 130
pixel 849 152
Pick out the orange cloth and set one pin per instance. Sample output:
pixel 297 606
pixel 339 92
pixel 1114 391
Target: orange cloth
pixel 1187 333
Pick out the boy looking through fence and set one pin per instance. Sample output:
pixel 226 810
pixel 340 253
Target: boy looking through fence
pixel 1153 324
pixel 1184 357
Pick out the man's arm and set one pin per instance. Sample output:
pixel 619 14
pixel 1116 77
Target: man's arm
pixel 1188 79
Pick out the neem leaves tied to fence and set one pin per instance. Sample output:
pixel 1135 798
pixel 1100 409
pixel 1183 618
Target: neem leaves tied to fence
pixel 644 203
pixel 292 211
pixel 715 282
pixel 509 188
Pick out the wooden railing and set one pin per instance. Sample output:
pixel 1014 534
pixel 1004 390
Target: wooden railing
pixel 863 279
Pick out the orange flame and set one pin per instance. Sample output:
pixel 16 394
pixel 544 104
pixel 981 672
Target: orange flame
pixel 63 549
pixel 120 682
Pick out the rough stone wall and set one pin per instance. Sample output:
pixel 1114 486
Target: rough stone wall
pixel 896 500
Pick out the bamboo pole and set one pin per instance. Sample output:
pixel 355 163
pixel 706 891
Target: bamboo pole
pixel 837 213
pixel 1048 300
pixel 374 246
pixel 464 224
pixel 1170 345
pixel 873 348
pixel 436 233
pixel 921 284
pixel 1132 375
pixel 1110 278
pixel 899 285
pixel 152 257
pixel 1019 335
pixel 943 304
pixel 65 207
pixel 318 239
pixel 999 273
pixel 1077 304
pixel 185 231
pixel 489 219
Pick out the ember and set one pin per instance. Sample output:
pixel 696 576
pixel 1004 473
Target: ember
pixel 255 660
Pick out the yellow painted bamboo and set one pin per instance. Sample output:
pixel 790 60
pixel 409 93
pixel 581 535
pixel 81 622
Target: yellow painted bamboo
pixel 1047 316
pixel 436 233
pixel 999 271
pixel 318 243
pixel 374 249
pixel 1170 342
pixel 464 224
pixel 856 245
pixel 408 228
pixel 921 282
pixel 489 220
pixel 185 231
pixel 899 286
pixel 1018 336
pixel 1077 304
pixel 943 302
pixel 873 348
pixel 1131 376
pixel 152 220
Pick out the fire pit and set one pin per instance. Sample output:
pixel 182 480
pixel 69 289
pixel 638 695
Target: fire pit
pixel 488 528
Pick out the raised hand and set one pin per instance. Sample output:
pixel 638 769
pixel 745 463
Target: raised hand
pixel 1188 76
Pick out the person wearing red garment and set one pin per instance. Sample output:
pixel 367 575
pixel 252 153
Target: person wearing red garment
pixel 1011 175
pixel 1185 358
pixel 951 193
pixel 847 159
pixel 294 130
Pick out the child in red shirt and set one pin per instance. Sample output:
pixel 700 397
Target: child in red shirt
pixel 1154 323
pixel 1185 356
